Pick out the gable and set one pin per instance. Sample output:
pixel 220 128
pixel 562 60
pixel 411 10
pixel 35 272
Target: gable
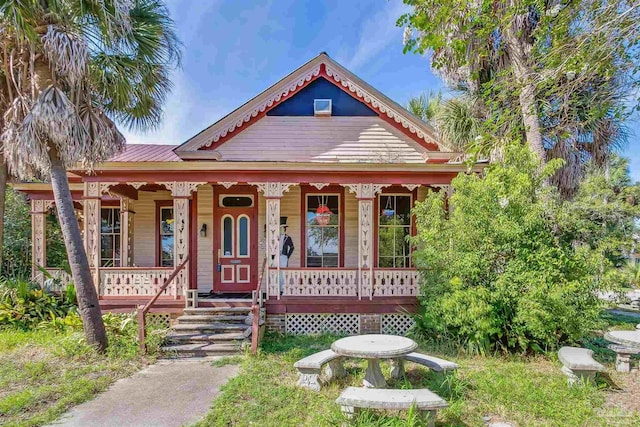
pixel 346 139
pixel 301 104
pixel 259 108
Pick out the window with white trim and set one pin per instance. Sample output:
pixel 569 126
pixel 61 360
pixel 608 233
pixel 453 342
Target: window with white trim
pixel 394 229
pixel 110 237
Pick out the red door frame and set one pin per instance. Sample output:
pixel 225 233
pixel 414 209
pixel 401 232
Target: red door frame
pixel 218 213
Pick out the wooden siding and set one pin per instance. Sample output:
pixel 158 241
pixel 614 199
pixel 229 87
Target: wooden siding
pixel 144 227
pixel 322 139
pixel 205 244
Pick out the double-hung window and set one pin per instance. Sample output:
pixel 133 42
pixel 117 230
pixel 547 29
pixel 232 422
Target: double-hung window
pixel 110 237
pixel 394 228
pixel 165 236
pixel 322 230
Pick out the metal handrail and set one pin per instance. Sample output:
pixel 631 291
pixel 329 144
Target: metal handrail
pixel 256 303
pixel 144 309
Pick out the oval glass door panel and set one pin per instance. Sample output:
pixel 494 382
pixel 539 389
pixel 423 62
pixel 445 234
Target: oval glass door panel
pixel 243 236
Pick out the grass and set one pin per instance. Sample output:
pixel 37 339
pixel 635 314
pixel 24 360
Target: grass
pixel 46 371
pixel 527 391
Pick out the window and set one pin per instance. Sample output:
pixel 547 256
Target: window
pixel 236 201
pixel 110 237
pixel 165 234
pixel 394 227
pixel 322 107
pixel 322 230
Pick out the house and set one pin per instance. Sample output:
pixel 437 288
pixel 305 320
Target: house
pixel 320 151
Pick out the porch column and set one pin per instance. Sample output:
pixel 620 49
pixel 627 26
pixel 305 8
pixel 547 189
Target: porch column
pixel 448 191
pixel 366 194
pixel 39 210
pixel 126 231
pixel 181 192
pixel 273 192
pixel 92 225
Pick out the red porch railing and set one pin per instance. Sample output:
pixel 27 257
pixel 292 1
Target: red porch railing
pixel 144 309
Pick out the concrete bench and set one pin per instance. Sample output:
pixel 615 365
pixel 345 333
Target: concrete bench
pixel 434 363
pixel 578 364
pixel 354 398
pixel 310 369
pixel 623 357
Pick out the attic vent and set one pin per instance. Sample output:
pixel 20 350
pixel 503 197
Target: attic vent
pixel 321 107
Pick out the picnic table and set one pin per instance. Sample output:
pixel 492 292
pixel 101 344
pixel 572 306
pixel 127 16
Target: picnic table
pixel 374 347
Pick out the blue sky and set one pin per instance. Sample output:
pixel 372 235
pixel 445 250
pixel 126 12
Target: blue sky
pixel 234 49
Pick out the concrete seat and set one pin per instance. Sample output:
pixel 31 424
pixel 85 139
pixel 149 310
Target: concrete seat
pixel 354 398
pixel 434 363
pixel 310 369
pixel 578 364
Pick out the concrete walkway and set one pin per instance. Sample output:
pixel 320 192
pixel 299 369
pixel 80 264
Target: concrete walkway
pixel 167 394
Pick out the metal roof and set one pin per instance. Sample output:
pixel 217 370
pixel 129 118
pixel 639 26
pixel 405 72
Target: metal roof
pixel 147 153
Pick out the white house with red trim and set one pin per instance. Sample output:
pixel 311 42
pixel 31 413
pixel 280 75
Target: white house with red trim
pixel 321 150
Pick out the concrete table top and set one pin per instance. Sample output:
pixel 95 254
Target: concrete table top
pixel 374 346
pixel 626 338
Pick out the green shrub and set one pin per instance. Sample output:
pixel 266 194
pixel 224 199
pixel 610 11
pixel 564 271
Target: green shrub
pixel 23 304
pixel 505 269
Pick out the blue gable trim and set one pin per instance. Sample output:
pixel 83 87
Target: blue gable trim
pixel 301 104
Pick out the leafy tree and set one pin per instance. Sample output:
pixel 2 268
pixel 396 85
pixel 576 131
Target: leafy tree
pixel 71 67
pixel 557 73
pixel 513 267
pixel 17 244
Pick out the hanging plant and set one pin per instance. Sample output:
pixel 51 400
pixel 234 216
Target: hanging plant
pixel 323 215
pixel 388 210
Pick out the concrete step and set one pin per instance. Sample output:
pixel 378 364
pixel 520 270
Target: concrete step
pixel 215 318
pixel 201 350
pixel 211 327
pixel 208 311
pixel 195 338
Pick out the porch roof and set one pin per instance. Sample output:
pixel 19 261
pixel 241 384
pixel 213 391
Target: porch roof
pixel 147 153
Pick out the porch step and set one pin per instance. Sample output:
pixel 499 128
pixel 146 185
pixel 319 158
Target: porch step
pixel 201 350
pixel 216 310
pixel 189 338
pixel 211 318
pixel 210 327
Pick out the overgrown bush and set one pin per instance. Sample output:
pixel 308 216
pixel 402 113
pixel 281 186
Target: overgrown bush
pixel 25 305
pixel 512 267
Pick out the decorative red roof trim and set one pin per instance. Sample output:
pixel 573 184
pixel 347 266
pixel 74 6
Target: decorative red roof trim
pixel 334 78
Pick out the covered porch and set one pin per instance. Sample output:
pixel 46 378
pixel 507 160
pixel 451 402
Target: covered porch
pixel 349 240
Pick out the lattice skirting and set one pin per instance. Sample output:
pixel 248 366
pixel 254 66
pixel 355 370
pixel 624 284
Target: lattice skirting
pixel 396 323
pixel 158 321
pixel 302 324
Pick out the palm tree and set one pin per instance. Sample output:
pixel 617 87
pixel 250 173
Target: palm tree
pixel 71 68
pixel 457 120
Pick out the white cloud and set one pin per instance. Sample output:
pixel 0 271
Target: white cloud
pixel 376 34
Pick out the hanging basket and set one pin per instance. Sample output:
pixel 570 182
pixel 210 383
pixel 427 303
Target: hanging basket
pixel 388 212
pixel 323 215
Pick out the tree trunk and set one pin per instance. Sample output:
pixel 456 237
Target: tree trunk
pixel 517 49
pixel 3 196
pixel 88 303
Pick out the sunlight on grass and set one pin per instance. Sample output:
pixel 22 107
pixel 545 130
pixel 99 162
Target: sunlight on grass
pixel 525 391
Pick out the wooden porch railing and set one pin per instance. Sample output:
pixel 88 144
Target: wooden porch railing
pixel 256 305
pixel 144 309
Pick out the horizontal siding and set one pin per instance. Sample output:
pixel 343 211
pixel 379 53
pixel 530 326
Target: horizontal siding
pixel 205 244
pixel 144 227
pixel 322 139
pixel 350 230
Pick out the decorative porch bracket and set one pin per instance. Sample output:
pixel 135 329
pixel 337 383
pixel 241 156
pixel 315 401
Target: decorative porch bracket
pixel 273 192
pixel 39 210
pixel 366 194
pixel 448 190
pixel 181 192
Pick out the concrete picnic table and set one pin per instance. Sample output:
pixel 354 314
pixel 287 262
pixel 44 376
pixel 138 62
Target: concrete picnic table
pixel 625 338
pixel 374 347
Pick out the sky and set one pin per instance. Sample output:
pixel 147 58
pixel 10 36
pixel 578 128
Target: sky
pixel 235 49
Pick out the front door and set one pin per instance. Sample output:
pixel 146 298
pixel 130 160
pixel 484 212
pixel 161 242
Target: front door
pixel 235 240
